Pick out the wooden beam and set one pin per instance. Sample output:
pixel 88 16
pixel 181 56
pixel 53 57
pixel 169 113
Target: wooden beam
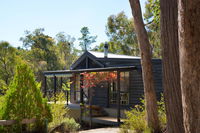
pixel 118 97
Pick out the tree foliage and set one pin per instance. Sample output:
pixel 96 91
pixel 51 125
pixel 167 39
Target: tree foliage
pixel 92 79
pixel 152 18
pixel 121 34
pixel 42 48
pixel 67 51
pixel 120 31
pixel 8 60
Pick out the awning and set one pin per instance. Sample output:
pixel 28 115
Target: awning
pixel 68 73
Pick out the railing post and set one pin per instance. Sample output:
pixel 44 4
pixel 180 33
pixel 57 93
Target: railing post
pixel 67 97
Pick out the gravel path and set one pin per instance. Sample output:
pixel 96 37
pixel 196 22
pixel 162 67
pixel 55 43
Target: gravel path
pixel 101 130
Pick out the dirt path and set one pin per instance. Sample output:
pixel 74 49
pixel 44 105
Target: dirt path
pixel 101 130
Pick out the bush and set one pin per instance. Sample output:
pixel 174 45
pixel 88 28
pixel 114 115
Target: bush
pixel 136 119
pixel 162 114
pixel 61 120
pixel 23 100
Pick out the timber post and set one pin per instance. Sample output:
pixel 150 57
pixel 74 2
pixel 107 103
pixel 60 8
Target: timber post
pixel 61 81
pixel 55 82
pixel 90 107
pixel 45 86
pixel 81 99
pixel 118 97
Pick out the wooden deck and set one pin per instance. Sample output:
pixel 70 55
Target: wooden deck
pixel 111 121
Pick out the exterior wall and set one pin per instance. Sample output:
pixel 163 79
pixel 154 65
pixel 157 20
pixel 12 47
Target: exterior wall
pixel 136 90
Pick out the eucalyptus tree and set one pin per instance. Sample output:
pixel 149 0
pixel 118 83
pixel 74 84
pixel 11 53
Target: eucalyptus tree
pixel 42 51
pixel 121 34
pixel 171 66
pixel 147 71
pixel 189 48
pixel 67 51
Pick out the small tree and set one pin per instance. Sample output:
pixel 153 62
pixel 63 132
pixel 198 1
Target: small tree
pixel 92 79
pixel 24 100
pixel 86 40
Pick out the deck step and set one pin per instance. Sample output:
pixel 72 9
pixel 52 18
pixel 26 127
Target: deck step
pixel 111 121
pixel 97 111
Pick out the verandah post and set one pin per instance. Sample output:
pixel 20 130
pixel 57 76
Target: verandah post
pixel 45 86
pixel 118 97
pixel 90 107
pixel 55 82
pixel 81 99
pixel 61 82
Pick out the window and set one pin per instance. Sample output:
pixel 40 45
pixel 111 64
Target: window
pixel 124 89
pixel 77 90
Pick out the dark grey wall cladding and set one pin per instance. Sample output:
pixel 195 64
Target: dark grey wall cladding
pixel 136 88
pixel 100 96
pixel 136 83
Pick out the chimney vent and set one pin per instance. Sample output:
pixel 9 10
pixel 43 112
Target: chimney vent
pixel 106 50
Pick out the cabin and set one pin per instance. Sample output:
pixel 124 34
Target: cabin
pixel 109 99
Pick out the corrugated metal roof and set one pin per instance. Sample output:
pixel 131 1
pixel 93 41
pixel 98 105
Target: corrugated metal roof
pixel 101 55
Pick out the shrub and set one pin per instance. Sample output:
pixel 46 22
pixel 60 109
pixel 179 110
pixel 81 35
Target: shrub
pixel 162 113
pixel 61 120
pixel 23 100
pixel 136 119
pixel 70 125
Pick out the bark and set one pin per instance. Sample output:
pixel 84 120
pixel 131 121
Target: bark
pixel 189 43
pixel 171 67
pixel 147 73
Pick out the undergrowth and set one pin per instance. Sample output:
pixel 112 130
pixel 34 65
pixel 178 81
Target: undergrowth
pixel 61 121
pixel 136 118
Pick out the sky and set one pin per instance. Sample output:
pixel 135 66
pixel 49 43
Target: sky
pixel 56 16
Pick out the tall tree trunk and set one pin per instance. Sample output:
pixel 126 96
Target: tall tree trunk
pixel 189 43
pixel 171 67
pixel 147 73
